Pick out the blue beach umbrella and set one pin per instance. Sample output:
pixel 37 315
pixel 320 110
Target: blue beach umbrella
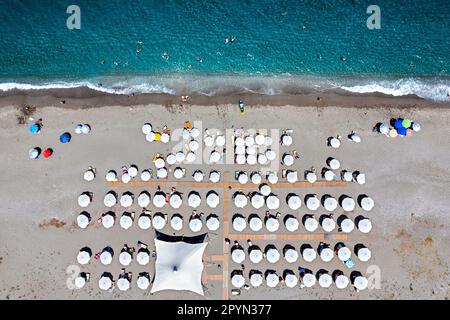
pixel 401 131
pixel 65 137
pixel 35 128
pixel 398 123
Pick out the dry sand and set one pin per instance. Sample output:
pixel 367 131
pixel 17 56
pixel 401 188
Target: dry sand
pixel 409 179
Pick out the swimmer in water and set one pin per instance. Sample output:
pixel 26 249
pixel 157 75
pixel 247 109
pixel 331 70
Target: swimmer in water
pixel 126 63
pixel 139 42
pixel 343 58
pixel 165 55
pixel 227 40
pixel 102 61
pixel 116 63
pixel 138 50
pixel 232 39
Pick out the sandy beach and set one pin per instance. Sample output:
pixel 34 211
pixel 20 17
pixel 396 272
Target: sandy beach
pixel 408 178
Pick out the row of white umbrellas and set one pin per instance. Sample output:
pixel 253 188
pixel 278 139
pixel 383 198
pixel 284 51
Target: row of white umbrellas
pixel 249 140
pixel 123 283
pixel 250 156
pixel 150 134
pixel 106 257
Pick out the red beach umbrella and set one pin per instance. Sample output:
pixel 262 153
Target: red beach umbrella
pixel 47 152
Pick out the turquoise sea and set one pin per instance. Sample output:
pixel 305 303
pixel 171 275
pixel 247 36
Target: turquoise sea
pixel 178 46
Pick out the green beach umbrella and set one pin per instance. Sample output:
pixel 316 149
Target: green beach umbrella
pixel 406 123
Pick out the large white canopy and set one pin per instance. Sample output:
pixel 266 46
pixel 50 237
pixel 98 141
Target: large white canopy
pixel 179 266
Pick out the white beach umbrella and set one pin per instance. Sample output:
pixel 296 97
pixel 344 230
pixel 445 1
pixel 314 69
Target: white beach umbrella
pixel 329 175
pixel 85 129
pixel 240 200
pixel 243 178
pixel 256 178
pixel 384 128
pixel 291 255
pixel 195 132
pixel 147 128
pixel 255 223
pixel 176 222
pixel 123 284
pixel 347 176
pixel 347 225
pixel 143 258
pixel 165 137
pixel 214 157
pixel 272 202
pixel 311 177
pixel 294 202
pixel 125 258
pixel 208 140
pixel 238 255
pixel 334 164
pixel 348 204
pixel 212 223
pixel 255 255
pixel 249 141
pixel 125 221
pixel 80 282
pixel 257 200
pixel 105 258
pixel 144 222
pixel 239 224
pixel 161 173
pixel 335 142
pixel 367 203
pixel 239 150
pixel 212 199
pixel 292 176
pixel 104 283
pixel 272 178
pixel 171 159
pixel 132 171
pixel 326 255
pixel 268 141
pixel 158 221
pixel 180 156
pixel 416 127
pixel 78 129
pixel 311 224
pixel 143 200
pixel 344 254
pixel 194 200
pixel 126 178
pixel 240 159
pixel 360 283
pixel 195 224
pixel 83 257
pixel 89 175
pixel 309 254
pixel 256 279
pixel 364 225
pixel 84 200
pixel 272 280
pixel 251 150
pixel 159 199
pixel 360 178
pixel 108 220
pixel 193 145
pixel 111 176
pixel 126 200
pixel 178 173
pixel 325 280
pixel 270 155
pixel 145 175
pixel 288 160
pixel 259 139
pixel 291 224
pixel 308 280
pixel 214 176
pixel 238 141
pixel 220 141
pixel 272 224
pixel 238 280
pixel 272 255
pixel 364 254
pixel 312 203
pixel 82 221
pixel 198 176
pixel 262 159
pixel 175 200
pixel 341 281
pixel 330 204
pixel 355 138
pixel 291 280
pixel 328 224
pixel 143 282
pixel 159 163
pixel 286 140
pixel 150 137
pixel 190 157
pixel 265 189
pixel 251 159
